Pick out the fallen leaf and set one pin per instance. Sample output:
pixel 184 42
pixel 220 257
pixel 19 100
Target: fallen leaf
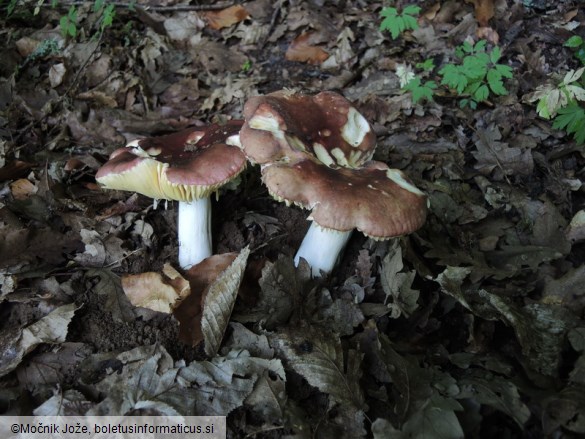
pixel 46 370
pixel 109 285
pixel 219 301
pixel 226 17
pixel 488 33
pixel 219 386
pixel 14 169
pixel 576 230
pixel 484 11
pixel 156 291
pixel 567 290
pixel 304 49
pixel 22 189
pixel 52 328
pixel 183 26
pixel 56 74
pixel 493 154
pixel 68 403
pixel 318 356
pixel 494 391
pixel 401 298
pixel 190 310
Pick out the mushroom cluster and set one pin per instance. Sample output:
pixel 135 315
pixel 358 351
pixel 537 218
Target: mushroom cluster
pixel 314 152
pixel 187 166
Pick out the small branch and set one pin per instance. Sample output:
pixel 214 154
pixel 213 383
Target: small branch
pixel 176 8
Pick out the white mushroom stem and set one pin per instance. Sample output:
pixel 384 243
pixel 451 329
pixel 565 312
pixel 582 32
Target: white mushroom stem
pixel 194 230
pixel 321 248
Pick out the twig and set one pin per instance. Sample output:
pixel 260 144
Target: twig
pixel 175 8
pixel 83 66
pixel 275 14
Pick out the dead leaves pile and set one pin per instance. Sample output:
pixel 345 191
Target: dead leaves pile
pixel 471 327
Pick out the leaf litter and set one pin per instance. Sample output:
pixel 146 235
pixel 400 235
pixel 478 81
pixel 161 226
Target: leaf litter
pixel 471 327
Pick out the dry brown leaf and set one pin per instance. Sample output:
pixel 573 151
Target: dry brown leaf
pixel 156 291
pixel 121 207
pixel 226 17
pixel 22 188
pixel 14 169
pixel 220 298
pixel 484 11
pixel 576 230
pixel 570 15
pixel 100 97
pixel 432 11
pixel 303 48
pixel 488 33
pixel 26 46
pixel 56 74
pixel 190 310
pixel 52 328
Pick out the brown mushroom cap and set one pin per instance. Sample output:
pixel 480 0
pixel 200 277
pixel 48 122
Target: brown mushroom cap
pixel 286 126
pixel 315 152
pixel 377 200
pixel 182 166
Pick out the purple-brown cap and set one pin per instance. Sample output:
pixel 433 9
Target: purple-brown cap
pixel 378 201
pixel 182 166
pixel 316 152
pixel 289 127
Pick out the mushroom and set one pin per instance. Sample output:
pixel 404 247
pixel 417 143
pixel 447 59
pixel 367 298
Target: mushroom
pixel 187 166
pixel 315 152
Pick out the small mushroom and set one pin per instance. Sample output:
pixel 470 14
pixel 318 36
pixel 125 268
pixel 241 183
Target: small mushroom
pixel 187 166
pixel 315 152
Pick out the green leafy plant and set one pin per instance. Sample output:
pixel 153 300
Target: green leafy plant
pixel 561 102
pixel 578 44
pixel 571 119
pixel 551 97
pixel 107 15
pixel 10 7
pixel 246 66
pixel 478 73
pixel 68 23
pixel 420 90
pixel 397 23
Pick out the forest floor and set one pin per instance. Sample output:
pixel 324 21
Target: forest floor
pixel 473 326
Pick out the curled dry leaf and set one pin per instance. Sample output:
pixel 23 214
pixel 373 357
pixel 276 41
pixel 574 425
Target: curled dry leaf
pixel 156 291
pixel 56 74
pixel 219 302
pixel 226 17
pixel 304 49
pixel 190 310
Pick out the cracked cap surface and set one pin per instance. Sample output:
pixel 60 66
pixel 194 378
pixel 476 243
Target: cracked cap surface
pixel 316 152
pixel 289 127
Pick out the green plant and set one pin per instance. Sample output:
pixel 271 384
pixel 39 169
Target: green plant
pixel 10 7
pixel 246 66
pixel 561 102
pixel 551 98
pixel 571 119
pixel 397 23
pixel 577 43
pixel 420 90
pixel 107 15
pixel 478 73
pixel 68 23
